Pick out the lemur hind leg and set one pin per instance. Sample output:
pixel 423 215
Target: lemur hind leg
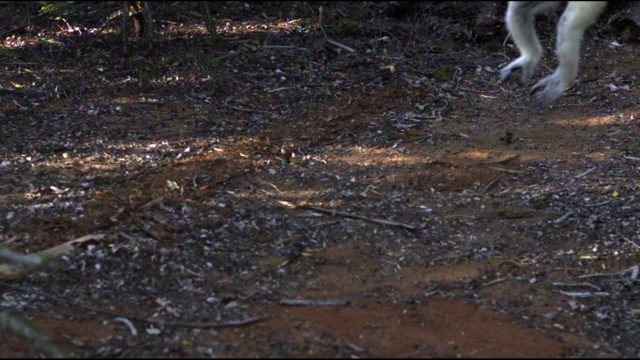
pixel 520 21
pixel 578 16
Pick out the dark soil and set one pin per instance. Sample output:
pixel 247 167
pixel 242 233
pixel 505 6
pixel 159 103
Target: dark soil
pixel 414 206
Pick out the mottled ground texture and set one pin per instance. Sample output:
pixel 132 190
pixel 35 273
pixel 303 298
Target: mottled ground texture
pixel 275 194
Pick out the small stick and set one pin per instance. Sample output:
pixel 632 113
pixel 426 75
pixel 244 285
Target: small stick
pixel 210 325
pixel 606 275
pixel 584 173
pixel 496 281
pixel 510 171
pixel 278 46
pixel 584 294
pixel 459 216
pixel 250 110
pixel 564 217
pixel 630 242
pixel 576 285
pixel 599 204
pixel 503 159
pixel 486 188
pixel 279 89
pixel 354 216
pixel 308 302
pixel 128 324
pixel 337 44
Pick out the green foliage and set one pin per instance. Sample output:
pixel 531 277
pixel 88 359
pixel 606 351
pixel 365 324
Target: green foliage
pixel 349 27
pixel 55 7
pixel 213 62
pixel 444 73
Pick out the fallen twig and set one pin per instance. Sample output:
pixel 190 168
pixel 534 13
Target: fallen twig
pixel 353 216
pixel 495 281
pixel 630 242
pixel 310 302
pixel 577 285
pixel 250 110
pixel 599 204
pixel 278 46
pixel 632 269
pixel 454 216
pixel 279 89
pixel 510 171
pixel 584 173
pixel 597 275
pixel 564 217
pixel 337 44
pixel 500 160
pixel 153 202
pixel 584 294
pixel 486 188
pixel 128 324
pixel 210 325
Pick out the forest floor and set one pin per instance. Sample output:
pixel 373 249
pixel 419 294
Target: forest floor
pixel 277 195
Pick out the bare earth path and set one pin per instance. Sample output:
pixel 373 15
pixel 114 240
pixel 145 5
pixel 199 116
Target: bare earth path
pixel 507 231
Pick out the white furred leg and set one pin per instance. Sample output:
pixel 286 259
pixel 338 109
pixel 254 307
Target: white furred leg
pixel 578 16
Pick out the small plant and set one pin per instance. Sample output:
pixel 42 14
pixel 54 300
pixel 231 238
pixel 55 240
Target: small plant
pixel 349 27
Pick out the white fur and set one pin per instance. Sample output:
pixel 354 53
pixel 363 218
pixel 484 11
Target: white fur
pixel 577 17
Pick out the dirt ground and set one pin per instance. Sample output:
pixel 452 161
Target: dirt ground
pixel 277 195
